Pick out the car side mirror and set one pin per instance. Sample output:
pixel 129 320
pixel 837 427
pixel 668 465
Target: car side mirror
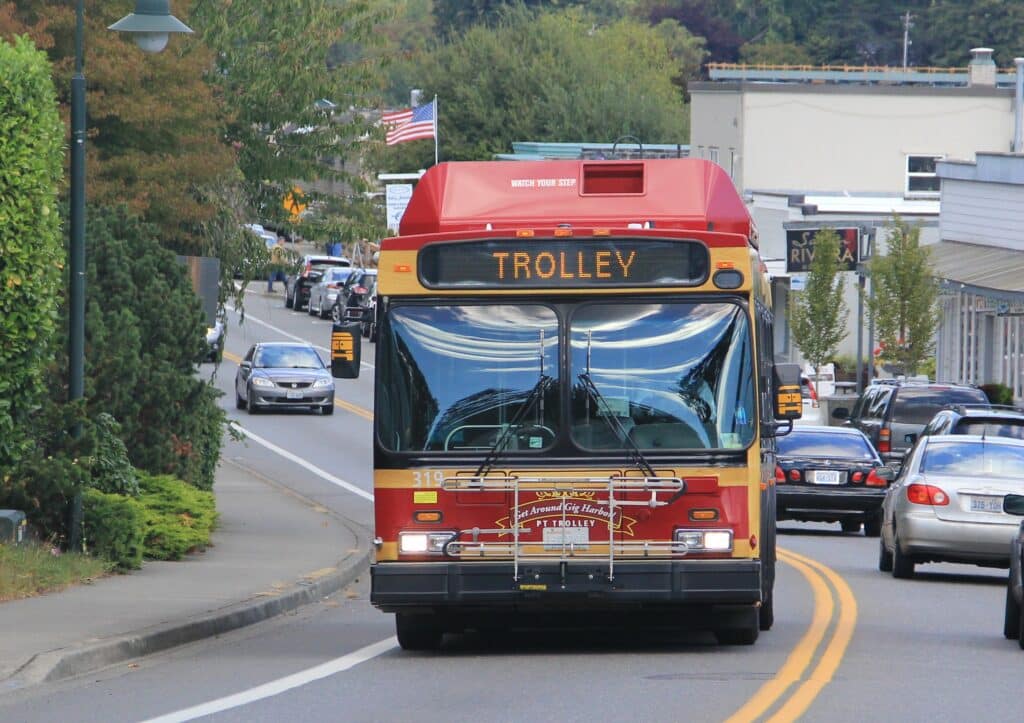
pixel 1014 505
pixel 345 350
pixel 840 413
pixel 885 473
pixel 788 403
pixel 910 438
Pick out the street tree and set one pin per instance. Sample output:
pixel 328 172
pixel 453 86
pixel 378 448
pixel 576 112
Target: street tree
pixel 817 315
pixel 904 303
pixel 550 76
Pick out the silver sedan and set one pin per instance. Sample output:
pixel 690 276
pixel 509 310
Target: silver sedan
pixel 947 504
pixel 324 292
pixel 278 375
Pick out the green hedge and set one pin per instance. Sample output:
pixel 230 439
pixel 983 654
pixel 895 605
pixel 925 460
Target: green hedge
pixel 31 247
pixel 178 517
pixel 114 528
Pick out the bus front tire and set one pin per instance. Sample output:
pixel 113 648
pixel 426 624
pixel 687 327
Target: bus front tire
pixel 745 630
pixel 417 632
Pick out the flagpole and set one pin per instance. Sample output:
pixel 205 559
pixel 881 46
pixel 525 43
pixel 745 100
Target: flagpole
pixel 435 129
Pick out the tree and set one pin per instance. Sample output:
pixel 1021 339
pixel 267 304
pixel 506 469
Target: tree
pixel 550 77
pixel 154 124
pixel 31 249
pixel 904 304
pixel 271 69
pixel 817 315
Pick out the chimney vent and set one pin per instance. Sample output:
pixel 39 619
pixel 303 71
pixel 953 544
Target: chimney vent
pixel 981 71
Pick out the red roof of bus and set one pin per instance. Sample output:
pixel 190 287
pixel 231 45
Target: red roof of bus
pixel 681 194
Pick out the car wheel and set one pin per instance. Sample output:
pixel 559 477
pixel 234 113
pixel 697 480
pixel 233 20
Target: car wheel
pixel 251 404
pixel 1012 616
pixel 766 613
pixel 902 564
pixel 327 409
pixel 418 632
pixel 336 313
pixel 365 329
pixel 289 300
pixel 240 403
pixel 873 524
pixel 309 308
pixel 743 634
pixel 373 333
pixel 850 525
pixel 884 557
pixel 1020 627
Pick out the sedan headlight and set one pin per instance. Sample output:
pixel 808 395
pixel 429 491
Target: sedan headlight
pixel 705 540
pixel 424 543
pixel 323 383
pixel 262 382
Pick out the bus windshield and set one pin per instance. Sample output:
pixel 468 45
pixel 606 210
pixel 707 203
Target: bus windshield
pixel 668 376
pixel 455 377
pixel 676 376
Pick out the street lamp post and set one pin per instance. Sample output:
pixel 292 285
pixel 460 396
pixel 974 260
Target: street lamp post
pixel 150 23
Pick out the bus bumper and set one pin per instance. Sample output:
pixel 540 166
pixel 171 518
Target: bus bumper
pixel 400 587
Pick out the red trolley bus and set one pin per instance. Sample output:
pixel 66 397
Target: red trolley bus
pixel 575 400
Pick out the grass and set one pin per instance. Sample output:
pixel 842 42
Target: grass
pixel 28 570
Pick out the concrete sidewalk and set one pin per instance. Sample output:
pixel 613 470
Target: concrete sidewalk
pixel 272 552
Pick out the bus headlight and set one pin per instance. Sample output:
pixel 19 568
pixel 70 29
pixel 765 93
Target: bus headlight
pixel 423 543
pixel 705 540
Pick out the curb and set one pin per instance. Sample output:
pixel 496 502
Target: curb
pixel 83 658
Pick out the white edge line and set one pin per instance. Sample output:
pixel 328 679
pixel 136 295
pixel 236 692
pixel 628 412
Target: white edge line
pixel 282 332
pixel 281 685
pixel 307 465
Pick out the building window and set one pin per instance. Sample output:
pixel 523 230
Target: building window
pixel 921 177
pixel 713 154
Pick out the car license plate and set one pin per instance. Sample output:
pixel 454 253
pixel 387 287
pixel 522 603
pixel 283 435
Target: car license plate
pixel 986 504
pixel 826 477
pixel 294 395
pixel 557 537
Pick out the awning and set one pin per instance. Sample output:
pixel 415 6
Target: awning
pixel 975 265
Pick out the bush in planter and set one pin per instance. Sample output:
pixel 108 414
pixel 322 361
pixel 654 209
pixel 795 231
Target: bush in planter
pixel 998 393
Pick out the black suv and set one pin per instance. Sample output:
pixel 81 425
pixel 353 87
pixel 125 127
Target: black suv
pixel 981 419
pixel 892 413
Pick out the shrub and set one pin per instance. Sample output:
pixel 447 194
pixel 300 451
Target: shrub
pixel 178 517
pixel 998 393
pixel 114 528
pixel 31 248
pixel 111 470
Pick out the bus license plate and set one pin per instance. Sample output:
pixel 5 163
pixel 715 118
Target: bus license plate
pixel 826 477
pixel 986 504
pixel 557 537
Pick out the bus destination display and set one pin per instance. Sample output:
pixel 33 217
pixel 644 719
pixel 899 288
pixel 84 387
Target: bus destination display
pixel 563 263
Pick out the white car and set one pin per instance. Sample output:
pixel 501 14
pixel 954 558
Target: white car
pixel 811 414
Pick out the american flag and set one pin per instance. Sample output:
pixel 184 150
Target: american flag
pixel 410 124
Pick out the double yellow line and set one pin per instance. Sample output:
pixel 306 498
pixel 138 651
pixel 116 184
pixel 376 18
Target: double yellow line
pixel 790 693
pixel 347 406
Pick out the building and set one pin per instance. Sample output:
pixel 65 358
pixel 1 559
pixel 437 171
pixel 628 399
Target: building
pixel 848 147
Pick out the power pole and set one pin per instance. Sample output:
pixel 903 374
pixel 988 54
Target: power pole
pixel 907 25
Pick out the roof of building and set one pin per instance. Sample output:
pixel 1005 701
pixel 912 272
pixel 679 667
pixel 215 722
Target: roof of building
pixel 851 74
pixel 976 265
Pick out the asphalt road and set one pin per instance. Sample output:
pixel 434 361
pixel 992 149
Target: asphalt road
pixel 849 643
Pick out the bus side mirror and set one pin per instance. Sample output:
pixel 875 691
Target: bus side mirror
pixel 345 350
pixel 788 402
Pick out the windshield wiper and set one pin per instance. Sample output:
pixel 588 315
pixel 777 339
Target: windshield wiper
pixel 536 394
pixel 635 455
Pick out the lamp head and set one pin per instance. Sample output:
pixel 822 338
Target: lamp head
pixel 150 24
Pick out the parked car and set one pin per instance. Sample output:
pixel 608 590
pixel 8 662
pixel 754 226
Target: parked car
pixel 348 304
pixel 370 313
pixel 947 503
pixel 297 285
pixel 977 419
pixel 324 292
pixel 889 410
pixel 215 341
pixel 278 375
pixel 830 474
pixel 1013 618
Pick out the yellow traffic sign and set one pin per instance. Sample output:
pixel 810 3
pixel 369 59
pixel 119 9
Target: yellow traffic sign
pixel 293 203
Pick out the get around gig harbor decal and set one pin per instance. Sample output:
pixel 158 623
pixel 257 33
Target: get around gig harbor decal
pixel 560 512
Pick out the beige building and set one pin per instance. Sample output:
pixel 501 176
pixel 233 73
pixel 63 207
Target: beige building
pixel 847 148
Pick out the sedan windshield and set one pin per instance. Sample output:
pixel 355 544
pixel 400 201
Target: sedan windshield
pixel 287 357
pixel 673 376
pixel 974 459
pixel 456 377
pixel 800 443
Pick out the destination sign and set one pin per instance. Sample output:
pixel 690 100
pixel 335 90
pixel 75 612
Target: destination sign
pixel 563 263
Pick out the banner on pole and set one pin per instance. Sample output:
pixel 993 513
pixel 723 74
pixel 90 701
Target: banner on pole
pixel 396 198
